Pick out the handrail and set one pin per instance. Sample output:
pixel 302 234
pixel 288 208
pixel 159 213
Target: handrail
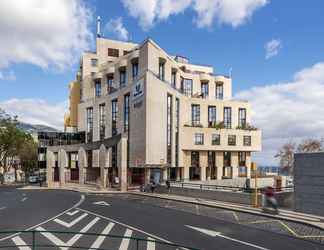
pixel 35 246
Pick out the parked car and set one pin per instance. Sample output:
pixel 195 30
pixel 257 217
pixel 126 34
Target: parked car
pixel 33 179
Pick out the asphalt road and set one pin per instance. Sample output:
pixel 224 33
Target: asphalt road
pixel 121 215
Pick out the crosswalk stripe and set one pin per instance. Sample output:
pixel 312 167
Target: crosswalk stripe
pixel 19 241
pixel 101 238
pixel 125 242
pixel 74 239
pixel 71 224
pixel 150 244
pixel 72 213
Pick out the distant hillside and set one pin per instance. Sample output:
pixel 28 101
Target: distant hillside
pixel 34 128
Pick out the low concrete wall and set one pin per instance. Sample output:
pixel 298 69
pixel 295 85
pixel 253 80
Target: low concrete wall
pixel 309 183
pixel 285 199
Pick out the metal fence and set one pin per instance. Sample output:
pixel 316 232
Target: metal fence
pixel 34 241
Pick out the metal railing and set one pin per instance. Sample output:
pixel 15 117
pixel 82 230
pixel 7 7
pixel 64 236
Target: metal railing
pixel 34 243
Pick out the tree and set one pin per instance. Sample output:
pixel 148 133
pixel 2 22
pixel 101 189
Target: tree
pixel 310 145
pixel 286 156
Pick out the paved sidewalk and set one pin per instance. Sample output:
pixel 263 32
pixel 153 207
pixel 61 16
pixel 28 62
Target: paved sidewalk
pixel 308 219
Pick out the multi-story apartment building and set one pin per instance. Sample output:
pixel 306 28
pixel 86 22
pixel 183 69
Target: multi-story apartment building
pixel 172 119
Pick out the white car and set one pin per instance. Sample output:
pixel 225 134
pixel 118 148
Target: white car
pixel 33 179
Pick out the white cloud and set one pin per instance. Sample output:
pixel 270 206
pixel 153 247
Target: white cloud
pixel 232 12
pixel 288 110
pixel 45 33
pixel 7 76
pixel 36 111
pixel 272 48
pixel 116 28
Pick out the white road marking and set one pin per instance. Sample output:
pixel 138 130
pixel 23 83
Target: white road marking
pixel 101 203
pixel 71 242
pixel 2 208
pixel 150 244
pixel 72 213
pixel 125 242
pixel 218 234
pixel 72 223
pixel 19 241
pixel 101 238
pixel 56 216
pixel 125 225
pixel 23 199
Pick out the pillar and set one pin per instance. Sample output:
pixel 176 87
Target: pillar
pixel 103 164
pixel 219 164
pixel 235 164
pixel 165 173
pixel 147 175
pixel 186 173
pixel 178 169
pixel 50 164
pixel 83 163
pixel 203 173
pixel 122 149
pixel 248 165
pixel 62 163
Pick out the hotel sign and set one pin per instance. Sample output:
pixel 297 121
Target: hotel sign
pixel 137 93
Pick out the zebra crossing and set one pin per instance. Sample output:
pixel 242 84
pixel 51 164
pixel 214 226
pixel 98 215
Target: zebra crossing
pixel 80 228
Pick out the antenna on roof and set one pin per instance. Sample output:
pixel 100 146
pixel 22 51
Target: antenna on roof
pixel 98 27
pixel 230 72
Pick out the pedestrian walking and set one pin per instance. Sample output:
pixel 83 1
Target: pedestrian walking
pixel 270 198
pixel 168 185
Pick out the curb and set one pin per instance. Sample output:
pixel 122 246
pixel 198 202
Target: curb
pixel 234 208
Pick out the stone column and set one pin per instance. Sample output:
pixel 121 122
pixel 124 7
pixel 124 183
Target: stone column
pixel 103 164
pixel 50 164
pixel 178 171
pixel 122 149
pixel 248 165
pixel 165 173
pixel 235 164
pixel 147 173
pixel 186 173
pixel 219 164
pixel 62 163
pixel 203 173
pixel 82 163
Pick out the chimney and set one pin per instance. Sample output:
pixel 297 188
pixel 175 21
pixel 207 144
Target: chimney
pixel 98 27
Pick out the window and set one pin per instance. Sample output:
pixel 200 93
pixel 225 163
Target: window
pixel 219 90
pixel 169 128
pixel 126 113
pixel 135 70
pixel 186 86
pixel 177 106
pixel 231 140
pixel 242 158
pixel 215 139
pixel 161 70
pixel 199 139
pixel 242 117
pixel 204 90
pixel 173 78
pixel 102 121
pixel 94 62
pixel 247 140
pixel 73 163
pixel 195 159
pixel 110 82
pixel 113 52
pixel 114 112
pixel 98 88
pixel 89 124
pixel 227 117
pixel 242 171
pixel 122 77
pixel 211 116
pixel 227 159
pixel 195 114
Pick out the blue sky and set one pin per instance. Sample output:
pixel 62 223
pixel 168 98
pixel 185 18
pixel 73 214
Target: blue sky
pixel 236 36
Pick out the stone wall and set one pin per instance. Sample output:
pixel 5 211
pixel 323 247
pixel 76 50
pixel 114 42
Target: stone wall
pixel 309 183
